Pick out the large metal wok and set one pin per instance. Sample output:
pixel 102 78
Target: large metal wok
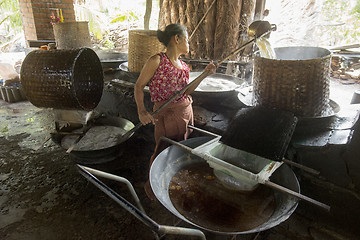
pixel 97 155
pixel 173 159
pixel 216 87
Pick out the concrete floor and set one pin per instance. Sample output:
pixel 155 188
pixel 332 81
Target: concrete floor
pixel 42 195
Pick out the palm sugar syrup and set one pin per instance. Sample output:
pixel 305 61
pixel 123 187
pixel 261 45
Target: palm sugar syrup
pixel 202 199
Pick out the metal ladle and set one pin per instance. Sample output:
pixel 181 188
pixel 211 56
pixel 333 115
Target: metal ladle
pixel 259 28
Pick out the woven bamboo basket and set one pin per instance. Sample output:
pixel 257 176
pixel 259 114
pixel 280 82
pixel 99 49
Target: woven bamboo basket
pixel 142 45
pixel 69 79
pixel 296 81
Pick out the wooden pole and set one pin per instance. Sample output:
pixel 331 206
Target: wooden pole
pixel 147 14
pixel 295 194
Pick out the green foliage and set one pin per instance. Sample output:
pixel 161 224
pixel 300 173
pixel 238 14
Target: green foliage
pixel 129 16
pixel 342 22
pixel 85 13
pixel 356 10
pixel 10 16
pixel 30 119
pixel 4 129
pixel 109 44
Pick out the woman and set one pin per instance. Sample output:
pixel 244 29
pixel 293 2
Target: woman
pixel 166 74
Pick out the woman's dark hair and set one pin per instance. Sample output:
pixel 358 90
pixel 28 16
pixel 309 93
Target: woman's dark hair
pixel 170 30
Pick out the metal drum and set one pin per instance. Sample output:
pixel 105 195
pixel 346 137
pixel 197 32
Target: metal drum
pixel 172 159
pixel 70 35
pixel 70 79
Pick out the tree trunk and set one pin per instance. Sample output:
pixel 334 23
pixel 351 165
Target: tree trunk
pixel 182 12
pixel 222 30
pixel 209 29
pixel 164 16
pixel 191 23
pixel 247 16
pixel 147 14
pixel 227 27
pixel 174 11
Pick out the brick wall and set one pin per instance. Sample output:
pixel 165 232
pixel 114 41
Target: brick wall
pixel 36 17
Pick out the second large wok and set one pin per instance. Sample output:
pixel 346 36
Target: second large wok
pixel 172 159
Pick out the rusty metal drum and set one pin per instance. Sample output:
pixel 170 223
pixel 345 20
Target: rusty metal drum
pixel 69 79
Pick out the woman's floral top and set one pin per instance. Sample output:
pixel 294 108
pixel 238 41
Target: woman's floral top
pixel 167 80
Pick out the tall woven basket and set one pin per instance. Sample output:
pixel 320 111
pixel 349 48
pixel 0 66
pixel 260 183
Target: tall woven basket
pixel 142 45
pixel 70 79
pixel 296 81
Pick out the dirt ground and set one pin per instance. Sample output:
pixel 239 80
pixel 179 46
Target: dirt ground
pixel 43 196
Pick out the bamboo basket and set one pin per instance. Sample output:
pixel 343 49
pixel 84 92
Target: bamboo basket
pixel 70 79
pixel 296 81
pixel 142 45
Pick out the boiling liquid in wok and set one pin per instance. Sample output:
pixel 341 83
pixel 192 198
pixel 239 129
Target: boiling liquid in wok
pixel 201 198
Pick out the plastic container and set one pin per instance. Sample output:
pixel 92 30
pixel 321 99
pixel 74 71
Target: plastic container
pixel 3 93
pixel 10 96
pixel 16 94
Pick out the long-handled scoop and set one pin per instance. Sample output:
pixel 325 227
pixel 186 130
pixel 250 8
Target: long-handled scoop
pixel 256 32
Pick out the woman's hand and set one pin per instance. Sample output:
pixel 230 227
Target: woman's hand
pixel 145 117
pixel 211 67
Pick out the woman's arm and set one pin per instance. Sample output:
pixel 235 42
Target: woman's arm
pixel 210 69
pixel 146 74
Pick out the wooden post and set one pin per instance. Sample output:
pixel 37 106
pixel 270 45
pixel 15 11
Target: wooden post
pixel 147 14
pixel 259 9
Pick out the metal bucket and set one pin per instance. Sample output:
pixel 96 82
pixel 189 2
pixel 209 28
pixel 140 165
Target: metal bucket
pixel 70 35
pixel 172 159
pixel 70 79
pixel 297 81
